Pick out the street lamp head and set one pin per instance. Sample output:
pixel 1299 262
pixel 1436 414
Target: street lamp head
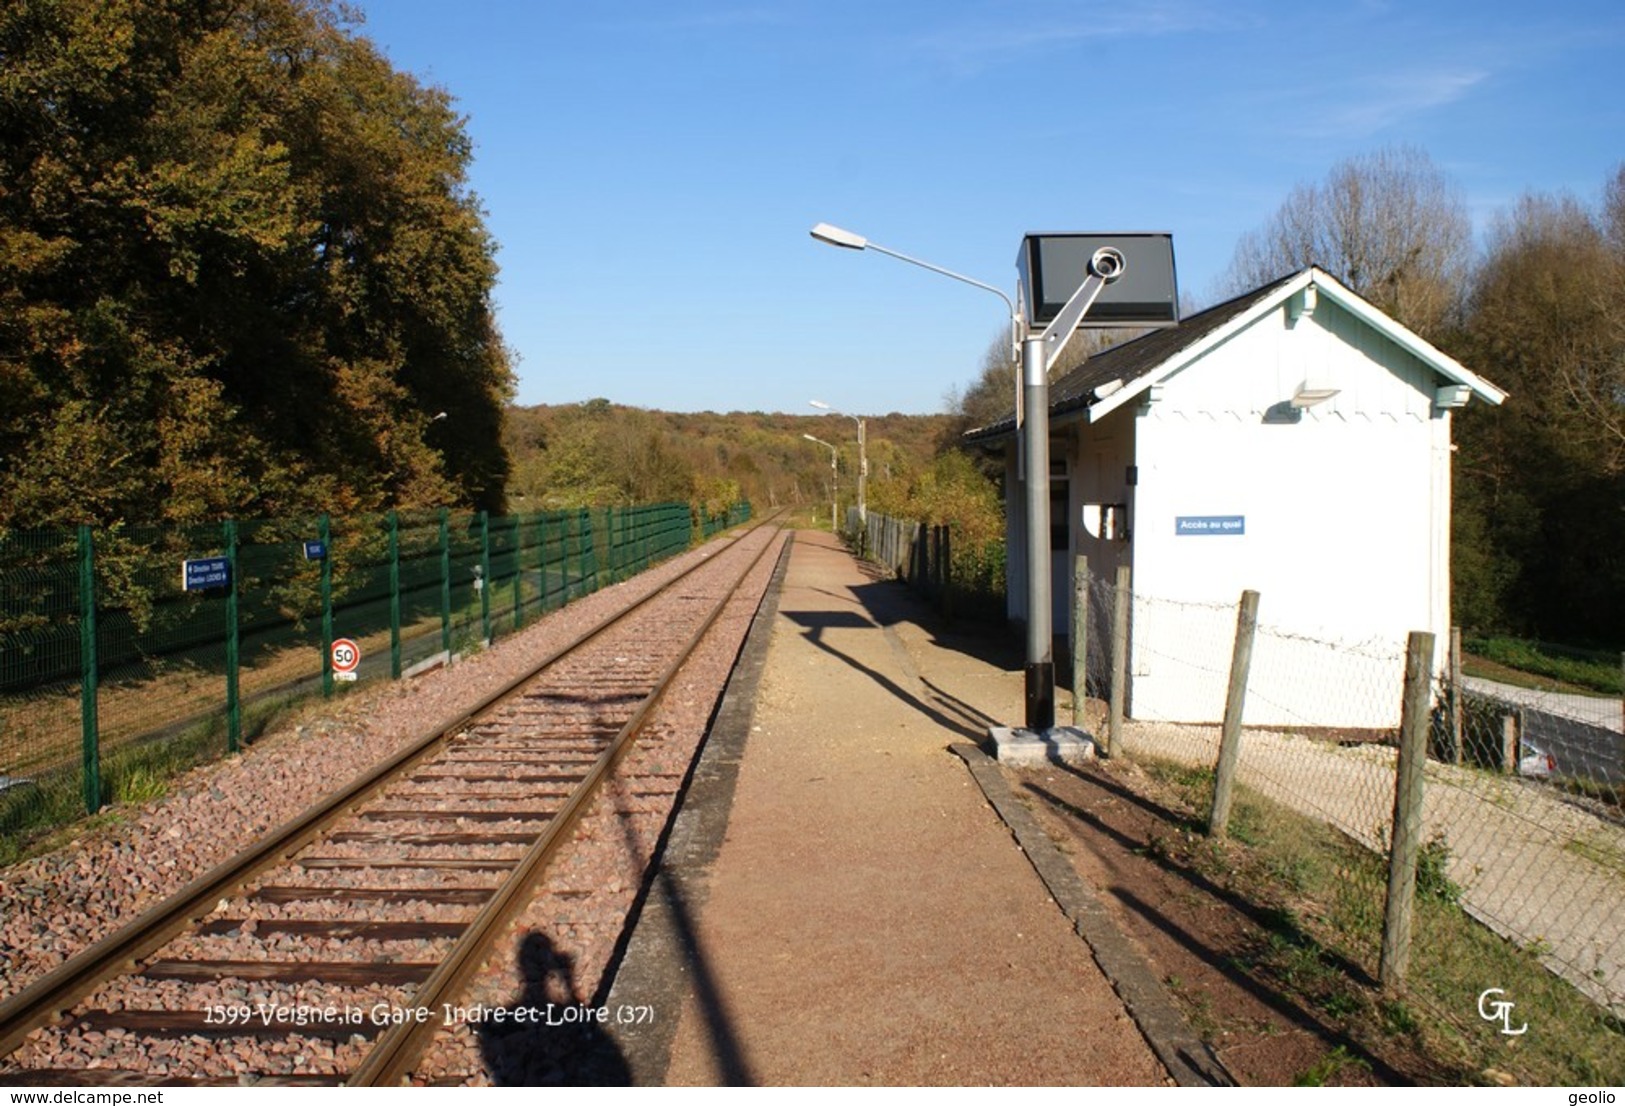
pixel 809 437
pixel 820 404
pixel 835 236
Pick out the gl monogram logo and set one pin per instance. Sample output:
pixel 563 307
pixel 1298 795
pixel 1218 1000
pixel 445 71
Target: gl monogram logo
pixel 1499 1010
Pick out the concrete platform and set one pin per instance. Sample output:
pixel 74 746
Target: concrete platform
pixel 838 903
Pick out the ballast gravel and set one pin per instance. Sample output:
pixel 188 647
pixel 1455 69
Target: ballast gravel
pixel 60 903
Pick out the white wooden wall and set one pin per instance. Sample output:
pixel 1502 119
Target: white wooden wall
pixel 1346 522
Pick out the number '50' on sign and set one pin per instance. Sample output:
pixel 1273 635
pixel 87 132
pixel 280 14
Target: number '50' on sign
pixel 346 655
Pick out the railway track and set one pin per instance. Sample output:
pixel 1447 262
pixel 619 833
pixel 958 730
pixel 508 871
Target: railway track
pixel 350 941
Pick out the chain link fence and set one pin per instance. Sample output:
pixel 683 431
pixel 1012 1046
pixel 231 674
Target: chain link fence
pixel 1520 819
pixel 129 653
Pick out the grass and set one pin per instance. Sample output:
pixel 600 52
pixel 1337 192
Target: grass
pixel 1321 897
pixel 1599 850
pixel 131 774
pixel 161 719
pixel 1543 666
pixel 1328 1069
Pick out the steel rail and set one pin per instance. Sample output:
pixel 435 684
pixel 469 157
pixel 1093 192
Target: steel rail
pixel 394 1053
pixel 52 995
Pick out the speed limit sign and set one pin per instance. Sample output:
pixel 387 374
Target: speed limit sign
pixel 346 656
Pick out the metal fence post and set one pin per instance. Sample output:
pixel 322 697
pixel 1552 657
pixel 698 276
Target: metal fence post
pixel 1407 827
pixel 1114 720
pixel 325 533
pixel 445 585
pixel 541 562
pixel 90 751
pixel 574 555
pixel 234 713
pixel 1080 637
pixel 394 595
pixel 485 576
pixel 588 552
pixel 1241 660
pixel 516 524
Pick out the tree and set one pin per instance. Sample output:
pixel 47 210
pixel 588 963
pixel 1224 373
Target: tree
pixel 992 395
pixel 1388 224
pixel 1542 479
pixel 240 270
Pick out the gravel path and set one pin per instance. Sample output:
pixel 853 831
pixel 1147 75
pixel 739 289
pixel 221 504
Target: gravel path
pixel 1594 710
pixel 869 919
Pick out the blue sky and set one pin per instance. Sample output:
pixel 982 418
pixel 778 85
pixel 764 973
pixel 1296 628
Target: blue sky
pixel 650 170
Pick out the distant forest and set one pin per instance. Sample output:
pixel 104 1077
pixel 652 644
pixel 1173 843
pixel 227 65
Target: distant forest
pixel 599 452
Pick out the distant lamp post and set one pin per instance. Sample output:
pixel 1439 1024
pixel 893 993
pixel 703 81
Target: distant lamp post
pixel 1061 278
pixel 863 460
pixel 834 476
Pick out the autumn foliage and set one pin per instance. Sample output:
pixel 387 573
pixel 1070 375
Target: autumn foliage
pixel 240 270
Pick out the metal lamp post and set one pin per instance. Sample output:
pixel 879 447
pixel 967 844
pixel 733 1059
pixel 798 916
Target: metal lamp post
pixel 863 460
pixel 834 478
pixel 1038 349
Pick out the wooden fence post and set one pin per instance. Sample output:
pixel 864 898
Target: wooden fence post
pixel 1509 744
pixel 1080 637
pixel 1114 720
pixel 1407 826
pixel 940 552
pixel 1241 660
pixel 1455 695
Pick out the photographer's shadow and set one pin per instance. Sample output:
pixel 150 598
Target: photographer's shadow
pixel 555 1045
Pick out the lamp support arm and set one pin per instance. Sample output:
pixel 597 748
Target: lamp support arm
pixel 1065 324
pixel 1016 323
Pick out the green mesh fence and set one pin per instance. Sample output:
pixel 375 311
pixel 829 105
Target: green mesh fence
pixel 41 695
pixel 120 665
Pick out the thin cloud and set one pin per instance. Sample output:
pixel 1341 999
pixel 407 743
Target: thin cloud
pixel 1385 101
pixel 718 19
pixel 969 48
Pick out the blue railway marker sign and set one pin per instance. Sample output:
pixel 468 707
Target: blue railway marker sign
pixel 202 573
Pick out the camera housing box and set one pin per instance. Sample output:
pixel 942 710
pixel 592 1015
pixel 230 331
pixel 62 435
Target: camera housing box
pixel 1145 295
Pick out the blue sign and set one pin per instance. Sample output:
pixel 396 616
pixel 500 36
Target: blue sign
pixel 1187 525
pixel 205 572
pixel 315 550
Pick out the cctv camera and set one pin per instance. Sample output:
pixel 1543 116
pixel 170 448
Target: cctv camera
pixel 1107 264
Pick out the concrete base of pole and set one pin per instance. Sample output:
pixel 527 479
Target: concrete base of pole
pixel 1027 748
